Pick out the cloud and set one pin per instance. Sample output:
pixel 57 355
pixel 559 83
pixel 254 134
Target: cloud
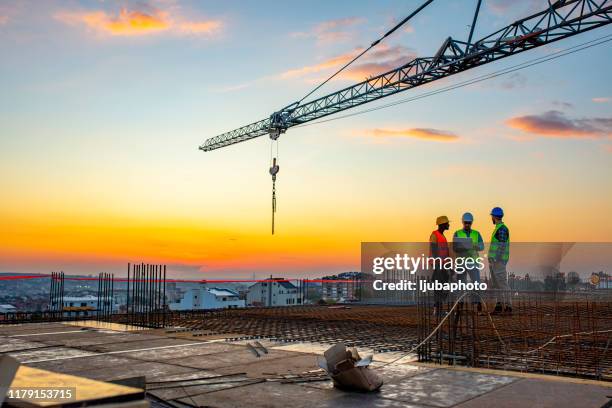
pixel 125 23
pixel 563 104
pixel 601 99
pixel 514 81
pixel 325 65
pixel 3 19
pixel 519 7
pixel 417 133
pixel 556 124
pixel 331 31
pixel 382 59
pixel 200 27
pixel 137 22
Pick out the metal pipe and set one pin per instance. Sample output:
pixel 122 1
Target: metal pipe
pixel 127 300
pixel 469 41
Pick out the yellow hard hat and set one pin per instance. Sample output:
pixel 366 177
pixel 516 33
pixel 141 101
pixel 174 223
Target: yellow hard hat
pixel 443 219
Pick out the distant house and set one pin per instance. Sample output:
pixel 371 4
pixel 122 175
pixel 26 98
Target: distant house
pixel 207 298
pixel 273 292
pixel 84 305
pixel 7 309
pixel 343 287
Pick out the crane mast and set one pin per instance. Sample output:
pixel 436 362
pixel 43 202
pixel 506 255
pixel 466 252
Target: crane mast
pixel 560 20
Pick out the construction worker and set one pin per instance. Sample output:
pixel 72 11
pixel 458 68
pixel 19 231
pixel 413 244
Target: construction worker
pixel 477 244
pixel 499 254
pixel 438 250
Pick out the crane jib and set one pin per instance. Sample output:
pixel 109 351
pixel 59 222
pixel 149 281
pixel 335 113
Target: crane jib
pixel 561 20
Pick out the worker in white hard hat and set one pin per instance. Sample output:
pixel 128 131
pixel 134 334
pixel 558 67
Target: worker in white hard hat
pixel 467 242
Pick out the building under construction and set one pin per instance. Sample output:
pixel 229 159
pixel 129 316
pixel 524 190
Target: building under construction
pixel 554 349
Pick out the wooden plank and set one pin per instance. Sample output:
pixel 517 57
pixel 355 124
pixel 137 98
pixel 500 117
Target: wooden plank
pixel 87 391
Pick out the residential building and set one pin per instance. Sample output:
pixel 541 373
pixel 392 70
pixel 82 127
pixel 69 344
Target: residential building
pixel 273 292
pixel 7 309
pixel 343 287
pixel 202 297
pixel 84 305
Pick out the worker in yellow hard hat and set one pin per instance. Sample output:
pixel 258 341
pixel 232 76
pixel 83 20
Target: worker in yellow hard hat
pixel 439 252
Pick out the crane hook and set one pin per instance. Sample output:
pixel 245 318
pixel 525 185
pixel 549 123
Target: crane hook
pixel 273 172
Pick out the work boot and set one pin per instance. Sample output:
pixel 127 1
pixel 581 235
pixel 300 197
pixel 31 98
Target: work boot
pixel 498 309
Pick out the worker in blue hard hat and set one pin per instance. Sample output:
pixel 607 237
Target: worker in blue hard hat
pixel 499 254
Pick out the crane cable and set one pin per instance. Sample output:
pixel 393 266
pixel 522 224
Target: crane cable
pixel 274 168
pixel 374 44
pixel 504 71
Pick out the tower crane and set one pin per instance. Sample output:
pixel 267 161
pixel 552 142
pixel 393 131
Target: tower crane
pixel 560 20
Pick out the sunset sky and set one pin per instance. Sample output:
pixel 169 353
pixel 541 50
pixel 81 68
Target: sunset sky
pixel 104 103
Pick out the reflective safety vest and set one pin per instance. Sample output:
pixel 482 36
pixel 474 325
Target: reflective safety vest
pixel 441 245
pixel 495 244
pixel 473 253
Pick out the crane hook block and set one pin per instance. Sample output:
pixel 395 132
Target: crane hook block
pixel 274 169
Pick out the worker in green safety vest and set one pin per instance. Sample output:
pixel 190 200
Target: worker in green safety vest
pixel 467 242
pixel 468 249
pixel 499 254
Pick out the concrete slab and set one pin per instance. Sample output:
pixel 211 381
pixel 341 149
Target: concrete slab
pixel 47 353
pixel 442 387
pixel 319 348
pixel 342 399
pixel 135 344
pixel 7 329
pixel 262 395
pixel 61 337
pixel 116 363
pixel 32 328
pixel 193 373
pixel 543 394
pixel 172 391
pixel 390 374
pixel 15 344
pixel 131 369
pixel 239 356
pixel 180 352
pixel 94 338
pixel 295 364
pixel 406 385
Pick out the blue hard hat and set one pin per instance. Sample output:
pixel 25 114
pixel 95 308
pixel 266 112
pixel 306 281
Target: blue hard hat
pixel 467 217
pixel 497 212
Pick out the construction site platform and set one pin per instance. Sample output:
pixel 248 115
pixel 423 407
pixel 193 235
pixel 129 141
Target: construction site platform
pixel 182 369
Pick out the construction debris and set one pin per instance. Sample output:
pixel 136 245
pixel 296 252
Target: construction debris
pixel 256 348
pixel 348 370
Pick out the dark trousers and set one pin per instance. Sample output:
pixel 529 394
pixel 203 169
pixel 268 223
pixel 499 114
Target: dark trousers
pixel 442 276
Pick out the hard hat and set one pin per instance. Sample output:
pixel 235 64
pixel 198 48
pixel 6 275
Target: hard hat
pixel 497 212
pixel 443 219
pixel 467 217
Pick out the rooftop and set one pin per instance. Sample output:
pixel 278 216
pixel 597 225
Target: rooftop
pixel 222 292
pixel 183 368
